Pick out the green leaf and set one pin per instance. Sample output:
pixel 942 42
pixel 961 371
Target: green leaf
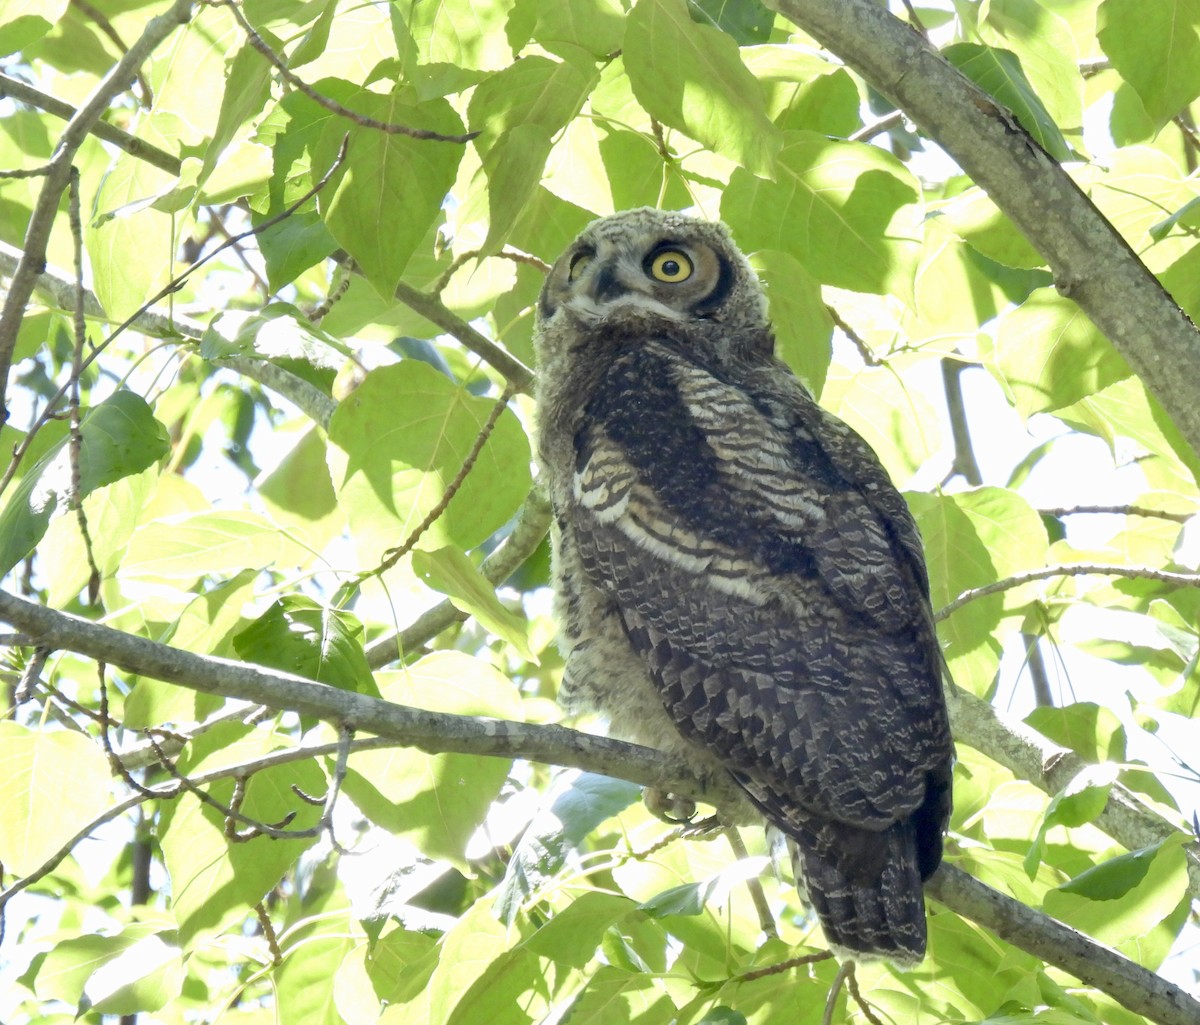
pixel 1042 38
pixel 301 636
pixel 130 243
pixel 399 441
pixel 849 212
pixel 531 91
pixel 247 89
pixel 293 245
pixel 691 77
pixel 478 950
pixel 1124 899
pixel 1115 877
pixel 24 21
pixel 1156 49
pixel 383 200
pixel 437 801
pixel 986 228
pixel 1090 730
pixel 597 26
pixel 1077 804
pixel 204 627
pixel 52 783
pixel 306 979
pixel 615 995
pixel 971 539
pixel 573 935
pixel 1049 355
pixel 1127 410
pixel 687 899
pixel 1187 216
pixel 448 570
pixel 803 327
pixel 748 21
pixel 513 168
pixel 573 807
pixel 189 546
pixel 517 113
pixel 149 971
pixel 999 73
pixel 120 437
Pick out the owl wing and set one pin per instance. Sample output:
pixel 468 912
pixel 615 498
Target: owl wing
pixel 761 567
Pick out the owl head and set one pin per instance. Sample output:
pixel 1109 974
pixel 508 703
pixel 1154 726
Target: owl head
pixel 646 271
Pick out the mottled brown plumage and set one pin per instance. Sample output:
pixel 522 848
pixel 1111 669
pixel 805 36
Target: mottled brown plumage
pixel 738 581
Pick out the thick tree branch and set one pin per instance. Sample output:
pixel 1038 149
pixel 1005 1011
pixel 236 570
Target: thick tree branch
pixel 37 234
pixel 1092 263
pixel 436 732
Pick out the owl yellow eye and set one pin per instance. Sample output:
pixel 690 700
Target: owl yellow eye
pixel 671 266
pixel 578 265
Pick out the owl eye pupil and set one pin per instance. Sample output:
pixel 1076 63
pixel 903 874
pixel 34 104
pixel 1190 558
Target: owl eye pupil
pixel 670 268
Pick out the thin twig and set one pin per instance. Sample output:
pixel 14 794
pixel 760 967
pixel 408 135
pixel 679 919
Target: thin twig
pixel 835 990
pixel 106 26
pixel 964 452
pixel 231 812
pixel 766 920
pixel 394 555
pixel 435 311
pixel 1118 510
pixel 869 357
pixel 782 966
pixel 884 124
pixel 27 172
pixel 30 675
pixel 1068 570
pixel 76 424
pixel 532 523
pixel 515 255
pixel 295 81
pixel 268 928
pixel 852 986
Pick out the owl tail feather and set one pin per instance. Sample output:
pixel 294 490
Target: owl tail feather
pixel 866 890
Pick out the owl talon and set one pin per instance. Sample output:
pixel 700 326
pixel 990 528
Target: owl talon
pixel 669 807
pixel 701 829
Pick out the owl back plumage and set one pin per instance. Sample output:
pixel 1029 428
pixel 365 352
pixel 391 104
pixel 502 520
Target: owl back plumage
pixel 734 563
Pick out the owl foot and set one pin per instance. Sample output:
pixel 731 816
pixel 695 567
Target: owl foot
pixel 669 807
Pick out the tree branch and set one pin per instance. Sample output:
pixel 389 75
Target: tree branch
pixel 131 144
pixel 436 732
pixel 37 234
pixel 1030 756
pixel 1092 263
pixel 61 291
pixel 435 311
pixel 1068 569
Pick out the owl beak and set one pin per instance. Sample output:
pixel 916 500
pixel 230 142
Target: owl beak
pixel 605 284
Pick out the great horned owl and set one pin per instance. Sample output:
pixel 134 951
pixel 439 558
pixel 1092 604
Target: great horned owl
pixel 737 580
